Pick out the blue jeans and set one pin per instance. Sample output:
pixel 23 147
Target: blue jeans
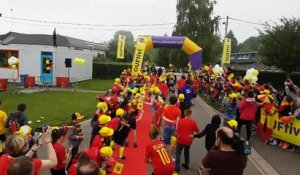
pixel 168 132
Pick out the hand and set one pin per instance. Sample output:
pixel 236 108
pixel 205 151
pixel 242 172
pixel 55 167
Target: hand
pixel 47 135
pixel 70 149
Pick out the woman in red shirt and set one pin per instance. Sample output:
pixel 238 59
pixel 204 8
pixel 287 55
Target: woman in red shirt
pixel 16 146
pixel 63 157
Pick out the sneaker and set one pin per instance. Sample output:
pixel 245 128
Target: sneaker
pixel 185 166
pixel 135 145
pixel 122 158
pixel 285 145
pixel 280 144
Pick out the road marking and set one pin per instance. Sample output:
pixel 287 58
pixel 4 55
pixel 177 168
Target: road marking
pixel 256 165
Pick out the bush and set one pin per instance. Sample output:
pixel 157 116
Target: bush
pixel 109 70
pixel 275 78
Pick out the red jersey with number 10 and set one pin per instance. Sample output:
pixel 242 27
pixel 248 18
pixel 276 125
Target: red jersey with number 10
pixel 161 161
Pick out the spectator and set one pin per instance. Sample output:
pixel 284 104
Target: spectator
pixel 3 118
pixel 188 92
pixel 247 109
pixel 292 90
pixel 163 88
pixel 17 119
pixel 224 160
pixel 162 165
pixel 16 145
pixel 63 157
pixel 210 132
pixel 80 159
pixel 185 132
pixel 21 166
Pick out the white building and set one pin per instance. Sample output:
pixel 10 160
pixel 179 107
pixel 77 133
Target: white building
pixel 34 49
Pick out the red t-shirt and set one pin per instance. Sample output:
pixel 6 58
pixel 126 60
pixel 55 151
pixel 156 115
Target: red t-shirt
pixel 153 78
pixel 93 154
pixel 164 89
pixel 158 116
pixel 171 112
pixel 5 161
pixel 160 159
pixel 61 156
pixel 97 142
pixel 181 83
pixel 114 123
pixel 185 129
pixel 72 170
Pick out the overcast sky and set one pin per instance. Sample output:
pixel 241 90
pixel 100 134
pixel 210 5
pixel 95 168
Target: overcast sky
pixel 133 12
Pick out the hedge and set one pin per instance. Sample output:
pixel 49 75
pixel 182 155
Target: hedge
pixel 275 78
pixel 109 70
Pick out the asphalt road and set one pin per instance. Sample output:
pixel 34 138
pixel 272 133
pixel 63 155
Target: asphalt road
pixel 202 115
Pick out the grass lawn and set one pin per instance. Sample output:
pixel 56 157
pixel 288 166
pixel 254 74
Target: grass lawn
pixel 95 84
pixel 55 107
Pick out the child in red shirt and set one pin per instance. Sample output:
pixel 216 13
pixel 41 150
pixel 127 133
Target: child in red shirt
pixel 156 154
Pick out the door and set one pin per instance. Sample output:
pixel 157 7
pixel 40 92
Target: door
pixel 47 68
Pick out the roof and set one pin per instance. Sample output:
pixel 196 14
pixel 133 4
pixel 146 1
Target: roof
pixel 42 39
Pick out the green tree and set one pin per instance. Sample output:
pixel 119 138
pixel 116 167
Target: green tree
pixel 249 45
pixel 234 42
pixel 196 20
pixel 129 46
pixel 281 44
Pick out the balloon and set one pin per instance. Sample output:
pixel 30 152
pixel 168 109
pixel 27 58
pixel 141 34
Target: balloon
pixel 47 62
pixel 286 119
pixel 48 68
pixel 13 66
pixel 231 76
pixel 206 68
pixel 79 61
pixel 254 79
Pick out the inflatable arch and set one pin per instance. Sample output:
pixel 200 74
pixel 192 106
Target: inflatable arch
pixel 176 42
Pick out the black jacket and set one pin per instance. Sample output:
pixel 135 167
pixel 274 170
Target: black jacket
pixel 210 135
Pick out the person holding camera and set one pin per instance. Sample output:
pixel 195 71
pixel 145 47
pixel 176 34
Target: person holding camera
pixel 16 146
pixel 224 159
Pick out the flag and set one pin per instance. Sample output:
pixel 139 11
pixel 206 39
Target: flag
pixel 121 47
pixel 138 56
pixel 118 168
pixel 226 51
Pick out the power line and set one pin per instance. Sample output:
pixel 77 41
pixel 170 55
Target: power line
pixel 87 24
pixel 245 21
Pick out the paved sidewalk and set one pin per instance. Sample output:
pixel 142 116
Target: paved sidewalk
pixel 36 89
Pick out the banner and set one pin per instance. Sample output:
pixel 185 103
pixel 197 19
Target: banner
pixel 138 56
pixel 289 132
pixel 121 47
pixel 226 51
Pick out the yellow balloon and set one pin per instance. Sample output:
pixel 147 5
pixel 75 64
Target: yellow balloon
pixel 206 68
pixel 255 73
pixel 48 68
pixel 13 66
pixel 47 62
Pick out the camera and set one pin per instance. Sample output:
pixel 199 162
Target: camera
pixel 42 129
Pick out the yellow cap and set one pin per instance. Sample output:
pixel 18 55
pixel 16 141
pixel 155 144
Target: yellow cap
pixel 24 130
pixel 232 123
pixel 106 152
pixel 133 102
pixel 157 90
pixel 106 132
pixel 103 106
pixel 103 119
pixel 181 96
pixel 233 95
pixel 120 112
pixel 117 80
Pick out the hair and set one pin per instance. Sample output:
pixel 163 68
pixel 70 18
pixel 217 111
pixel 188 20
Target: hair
pixel 21 107
pixel 224 137
pixel 183 77
pixel 14 145
pixel 83 158
pixel 153 133
pixel 189 81
pixel 216 119
pixel 250 94
pixel 73 116
pixel 173 100
pixel 57 134
pixel 188 112
pixel 21 166
pixel 88 169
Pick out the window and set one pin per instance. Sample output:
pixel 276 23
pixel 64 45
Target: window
pixel 5 54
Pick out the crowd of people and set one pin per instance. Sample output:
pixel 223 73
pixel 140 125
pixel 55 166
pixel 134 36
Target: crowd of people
pixel 172 129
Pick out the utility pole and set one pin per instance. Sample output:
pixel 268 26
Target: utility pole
pixel 11 10
pixel 226 27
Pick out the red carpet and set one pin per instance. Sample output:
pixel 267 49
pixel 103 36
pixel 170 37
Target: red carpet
pixel 135 164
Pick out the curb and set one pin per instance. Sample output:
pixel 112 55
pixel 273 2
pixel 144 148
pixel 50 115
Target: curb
pixel 258 161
